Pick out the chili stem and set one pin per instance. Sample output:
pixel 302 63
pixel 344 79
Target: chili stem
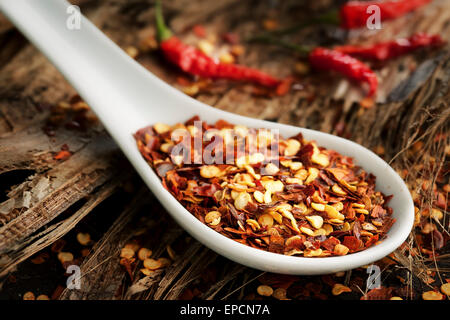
pixel 164 32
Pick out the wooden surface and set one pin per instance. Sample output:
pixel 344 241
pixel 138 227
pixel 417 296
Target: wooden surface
pixel 50 199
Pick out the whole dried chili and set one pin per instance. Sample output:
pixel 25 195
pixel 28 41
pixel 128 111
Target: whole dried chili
pixel 392 49
pixel 354 14
pixel 195 62
pixel 327 59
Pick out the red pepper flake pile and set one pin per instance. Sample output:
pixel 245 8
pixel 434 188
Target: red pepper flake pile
pixel 312 202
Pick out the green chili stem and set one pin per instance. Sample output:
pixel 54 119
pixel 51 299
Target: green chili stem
pixel 164 32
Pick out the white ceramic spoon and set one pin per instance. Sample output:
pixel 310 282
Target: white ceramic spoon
pixel 126 97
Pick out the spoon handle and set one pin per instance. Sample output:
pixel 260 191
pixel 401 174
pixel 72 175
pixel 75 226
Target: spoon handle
pixel 103 74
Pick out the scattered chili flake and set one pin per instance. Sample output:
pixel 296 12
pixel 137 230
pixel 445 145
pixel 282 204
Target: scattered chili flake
pixel 270 24
pixel 40 258
pixel 62 155
pixel 383 293
pixel 367 103
pixel 288 196
pixel 284 86
pixel 199 31
pixel 231 38
pixel 58 245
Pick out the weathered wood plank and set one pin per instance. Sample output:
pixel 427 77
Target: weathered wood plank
pixel 34 203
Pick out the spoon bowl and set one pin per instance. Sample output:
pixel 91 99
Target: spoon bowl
pixel 126 97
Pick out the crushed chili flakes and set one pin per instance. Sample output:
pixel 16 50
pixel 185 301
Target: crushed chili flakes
pixel 312 202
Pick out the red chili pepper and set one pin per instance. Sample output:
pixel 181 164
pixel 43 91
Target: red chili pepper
pixel 392 49
pixel 354 13
pixel 354 69
pixel 194 61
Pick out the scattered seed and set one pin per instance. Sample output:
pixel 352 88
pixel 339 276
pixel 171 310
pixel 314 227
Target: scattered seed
pixel 293 146
pixel 126 253
pixel 144 253
pixel 28 296
pixel 432 295
pixel 83 238
pixel 445 289
pixel 341 250
pixel 279 294
pixel 153 264
pixel 266 220
pixel 65 257
pixel 209 171
pixel 242 200
pixel 316 221
pixel 213 218
pixel 264 290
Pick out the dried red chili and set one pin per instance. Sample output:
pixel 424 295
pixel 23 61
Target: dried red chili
pixel 354 14
pixel 195 62
pixel 392 49
pixel 327 59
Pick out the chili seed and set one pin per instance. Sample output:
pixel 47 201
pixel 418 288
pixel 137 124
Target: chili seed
pixel 432 295
pixel 264 290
